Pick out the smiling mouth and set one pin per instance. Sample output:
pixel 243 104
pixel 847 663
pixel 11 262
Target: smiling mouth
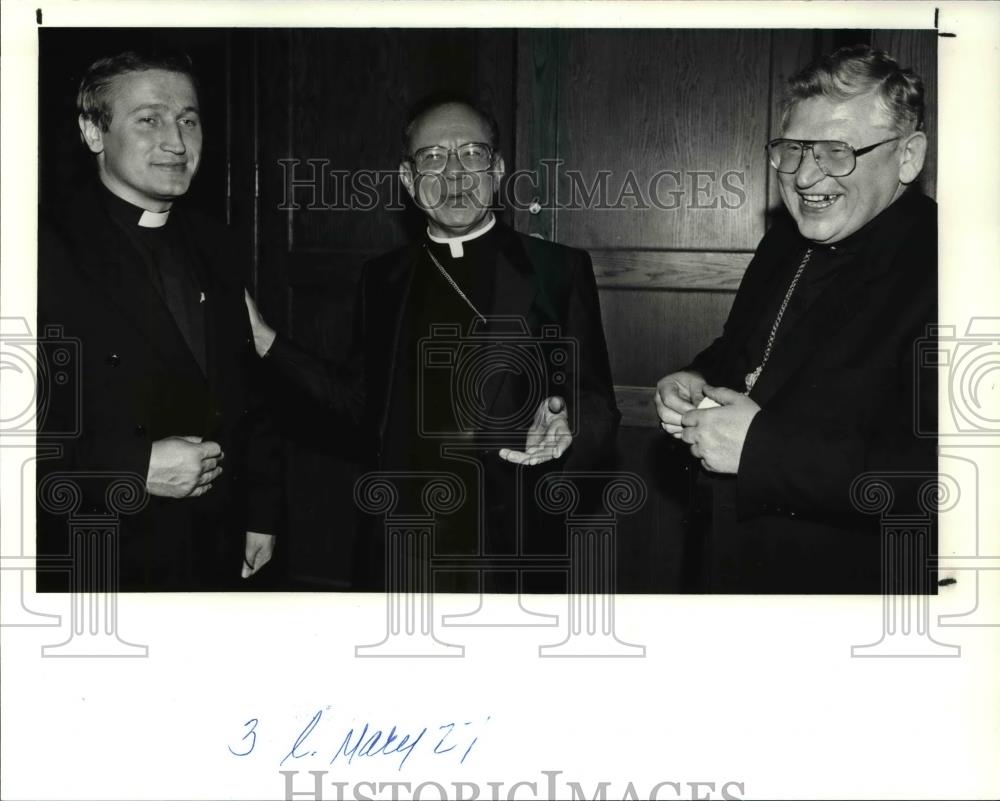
pixel 818 202
pixel 178 166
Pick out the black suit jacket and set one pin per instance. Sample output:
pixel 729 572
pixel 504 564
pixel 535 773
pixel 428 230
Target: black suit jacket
pixel 537 282
pixel 841 395
pixel 139 383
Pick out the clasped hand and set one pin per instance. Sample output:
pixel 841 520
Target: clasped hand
pixel 716 435
pixel 549 435
pixel 183 467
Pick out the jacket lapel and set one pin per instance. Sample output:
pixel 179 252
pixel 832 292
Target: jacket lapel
pixel 390 301
pixel 107 256
pixel 515 286
pixel 819 321
pixel 877 245
pixel 208 268
pixel 514 294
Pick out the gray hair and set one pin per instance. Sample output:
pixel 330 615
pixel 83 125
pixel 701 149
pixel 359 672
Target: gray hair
pixel 858 70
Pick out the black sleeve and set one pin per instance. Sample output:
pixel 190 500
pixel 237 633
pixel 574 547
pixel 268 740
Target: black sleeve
pixel 337 388
pixel 597 413
pixel 263 458
pixel 781 464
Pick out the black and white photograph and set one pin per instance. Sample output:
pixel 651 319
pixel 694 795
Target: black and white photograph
pixel 628 274
pixel 360 358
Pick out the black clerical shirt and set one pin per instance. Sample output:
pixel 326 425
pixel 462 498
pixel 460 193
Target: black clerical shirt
pixel 172 270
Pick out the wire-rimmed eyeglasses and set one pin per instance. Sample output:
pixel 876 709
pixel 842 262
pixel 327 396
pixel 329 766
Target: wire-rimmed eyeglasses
pixel 473 156
pixel 834 158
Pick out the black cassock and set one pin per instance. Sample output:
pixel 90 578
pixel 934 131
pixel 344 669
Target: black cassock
pixel 841 395
pixel 432 387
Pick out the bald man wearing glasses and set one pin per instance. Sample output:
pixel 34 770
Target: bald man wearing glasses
pixel 813 381
pixel 474 345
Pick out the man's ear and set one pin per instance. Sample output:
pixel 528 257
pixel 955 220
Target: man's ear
pixel 406 176
pixel 497 172
pixel 911 162
pixel 92 135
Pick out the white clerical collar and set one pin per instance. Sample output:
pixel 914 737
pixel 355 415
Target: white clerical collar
pixel 153 219
pixel 455 242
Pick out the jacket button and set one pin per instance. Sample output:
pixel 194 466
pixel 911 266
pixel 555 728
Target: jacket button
pixel 114 360
pixel 139 431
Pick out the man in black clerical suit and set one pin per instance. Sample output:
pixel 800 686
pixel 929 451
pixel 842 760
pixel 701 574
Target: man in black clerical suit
pixel 814 373
pixel 477 294
pixel 147 288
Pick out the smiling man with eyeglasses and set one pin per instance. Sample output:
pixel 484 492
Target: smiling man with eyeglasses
pixel 847 167
pixel 812 382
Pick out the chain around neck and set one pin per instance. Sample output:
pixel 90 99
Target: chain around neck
pixel 454 286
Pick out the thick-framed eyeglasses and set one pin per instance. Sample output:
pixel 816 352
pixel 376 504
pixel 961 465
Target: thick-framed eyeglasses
pixel 835 159
pixel 473 156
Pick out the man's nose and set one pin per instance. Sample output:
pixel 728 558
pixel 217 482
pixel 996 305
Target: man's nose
pixel 173 139
pixel 808 172
pixel 453 165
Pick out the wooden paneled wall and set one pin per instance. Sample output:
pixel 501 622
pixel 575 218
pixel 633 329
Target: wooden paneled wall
pixel 659 119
